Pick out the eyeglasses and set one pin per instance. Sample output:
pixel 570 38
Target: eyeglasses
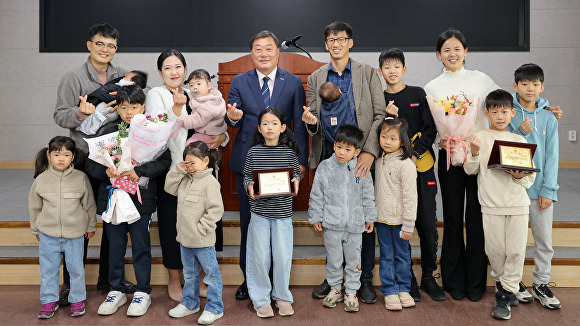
pixel 340 40
pixel 100 45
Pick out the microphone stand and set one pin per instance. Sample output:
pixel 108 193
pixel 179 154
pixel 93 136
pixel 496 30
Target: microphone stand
pixel 298 46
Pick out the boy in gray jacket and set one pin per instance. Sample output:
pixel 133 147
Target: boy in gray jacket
pixel 345 207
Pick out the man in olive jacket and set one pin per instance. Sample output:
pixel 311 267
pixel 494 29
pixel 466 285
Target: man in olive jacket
pixel 362 83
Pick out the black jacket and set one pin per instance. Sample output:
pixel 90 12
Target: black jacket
pixel 101 94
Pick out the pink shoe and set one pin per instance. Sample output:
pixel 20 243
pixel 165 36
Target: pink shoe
pixel 284 308
pixel 265 311
pixel 77 309
pixel 48 310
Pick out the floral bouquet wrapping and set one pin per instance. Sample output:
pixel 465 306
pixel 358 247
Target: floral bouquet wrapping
pixel 113 150
pixel 454 118
pixel 148 136
pixel 144 141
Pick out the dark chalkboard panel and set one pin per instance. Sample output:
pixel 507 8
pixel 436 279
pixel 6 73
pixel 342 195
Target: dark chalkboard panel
pixel 227 25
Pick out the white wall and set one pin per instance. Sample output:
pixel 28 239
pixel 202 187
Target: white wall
pixel 29 79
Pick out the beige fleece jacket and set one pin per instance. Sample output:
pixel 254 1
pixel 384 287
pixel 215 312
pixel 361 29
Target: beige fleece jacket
pixel 396 191
pixel 498 192
pixel 199 206
pixel 61 204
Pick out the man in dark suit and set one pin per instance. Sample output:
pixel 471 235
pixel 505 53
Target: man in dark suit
pixel 249 94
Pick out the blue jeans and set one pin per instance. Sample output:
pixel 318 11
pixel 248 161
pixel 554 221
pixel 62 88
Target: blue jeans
pixel 269 238
pixel 395 265
pixel 192 258
pixel 50 252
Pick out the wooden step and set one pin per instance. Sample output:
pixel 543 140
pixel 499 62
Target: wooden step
pixel 308 266
pixel 565 234
pixel 305 271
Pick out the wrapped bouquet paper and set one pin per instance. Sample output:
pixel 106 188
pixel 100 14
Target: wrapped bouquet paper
pixel 113 150
pixel 454 118
pixel 148 136
pixel 144 141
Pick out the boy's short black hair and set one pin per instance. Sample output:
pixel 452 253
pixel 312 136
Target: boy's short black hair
pixel 132 94
pixel 140 78
pixel 351 135
pixel 499 98
pixel 529 72
pixel 337 27
pixel 391 54
pixel 105 30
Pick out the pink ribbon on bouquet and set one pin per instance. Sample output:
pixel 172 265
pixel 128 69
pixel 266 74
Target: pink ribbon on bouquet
pixel 121 183
pixel 460 141
pixel 179 126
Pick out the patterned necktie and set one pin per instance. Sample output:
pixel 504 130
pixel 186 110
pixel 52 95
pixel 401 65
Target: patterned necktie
pixel 266 92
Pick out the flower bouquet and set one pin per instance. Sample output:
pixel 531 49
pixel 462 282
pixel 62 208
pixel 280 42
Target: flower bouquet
pixel 144 141
pixel 113 150
pixel 454 118
pixel 108 149
pixel 148 136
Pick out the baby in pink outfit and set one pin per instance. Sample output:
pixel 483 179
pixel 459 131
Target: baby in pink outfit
pixel 208 108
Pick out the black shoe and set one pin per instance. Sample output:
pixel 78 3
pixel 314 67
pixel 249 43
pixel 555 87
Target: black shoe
pixel 502 308
pixel 129 287
pixel 321 291
pixel 367 293
pixel 515 302
pixel 242 292
pixel 457 295
pixel 414 292
pixel 63 295
pixel 430 286
pixel 103 285
pixel 474 296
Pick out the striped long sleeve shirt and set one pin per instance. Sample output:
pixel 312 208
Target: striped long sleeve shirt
pixel 270 157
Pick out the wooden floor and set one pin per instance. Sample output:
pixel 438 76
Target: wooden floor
pixel 20 306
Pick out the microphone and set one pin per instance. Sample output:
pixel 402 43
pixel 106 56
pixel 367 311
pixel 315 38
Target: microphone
pixel 291 42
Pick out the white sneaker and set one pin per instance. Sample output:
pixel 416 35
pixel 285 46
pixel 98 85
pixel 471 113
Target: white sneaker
pixel 207 317
pixel 138 307
pixel 181 311
pixel 332 298
pixel 545 296
pixel 523 295
pixel 114 300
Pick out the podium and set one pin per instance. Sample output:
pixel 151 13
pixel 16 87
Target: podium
pixel 300 66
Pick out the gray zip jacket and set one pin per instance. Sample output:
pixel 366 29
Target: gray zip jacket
pixel 339 200
pixel 80 82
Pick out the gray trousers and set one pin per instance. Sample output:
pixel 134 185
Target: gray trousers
pixel 343 247
pixel 541 223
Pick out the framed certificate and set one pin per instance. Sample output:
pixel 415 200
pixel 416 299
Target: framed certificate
pixel 273 182
pixel 512 155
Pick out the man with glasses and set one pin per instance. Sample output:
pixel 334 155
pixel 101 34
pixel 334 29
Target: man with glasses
pixel 361 83
pixel 251 92
pixel 72 108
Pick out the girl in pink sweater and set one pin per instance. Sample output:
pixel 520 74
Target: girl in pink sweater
pixel 208 108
